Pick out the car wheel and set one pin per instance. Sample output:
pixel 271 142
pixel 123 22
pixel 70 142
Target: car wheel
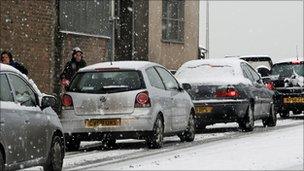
pixel 72 144
pixel 271 120
pixel 247 123
pixel 189 134
pixel 1 161
pixel 284 114
pixel 56 155
pixel 155 140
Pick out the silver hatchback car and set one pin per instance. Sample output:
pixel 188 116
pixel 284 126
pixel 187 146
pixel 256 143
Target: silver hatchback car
pixel 126 99
pixel 31 133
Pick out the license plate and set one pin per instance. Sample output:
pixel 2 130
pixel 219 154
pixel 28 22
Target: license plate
pixel 294 100
pixel 93 123
pixel 201 109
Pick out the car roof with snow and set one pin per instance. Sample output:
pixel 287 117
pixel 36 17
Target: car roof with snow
pixel 132 65
pixel 219 61
pixel 5 67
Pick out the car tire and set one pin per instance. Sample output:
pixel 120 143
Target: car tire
pixel 189 134
pixel 271 120
pixel 247 123
pixel 284 114
pixel 1 161
pixel 55 158
pixel 155 139
pixel 72 144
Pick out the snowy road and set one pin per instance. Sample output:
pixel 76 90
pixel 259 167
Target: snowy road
pixel 221 147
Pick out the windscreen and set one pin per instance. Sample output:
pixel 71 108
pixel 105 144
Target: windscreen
pixel 287 69
pixel 106 82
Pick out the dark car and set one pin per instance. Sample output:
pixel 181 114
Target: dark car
pixel 288 82
pixel 31 133
pixel 227 90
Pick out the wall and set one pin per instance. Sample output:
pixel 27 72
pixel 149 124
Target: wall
pixel 27 30
pixel 172 55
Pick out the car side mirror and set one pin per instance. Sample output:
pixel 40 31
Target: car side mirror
pixel 48 101
pixel 186 86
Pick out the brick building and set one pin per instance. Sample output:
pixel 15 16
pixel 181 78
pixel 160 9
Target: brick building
pixel 42 33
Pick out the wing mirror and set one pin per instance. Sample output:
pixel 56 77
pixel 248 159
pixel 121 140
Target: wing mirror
pixel 48 101
pixel 186 86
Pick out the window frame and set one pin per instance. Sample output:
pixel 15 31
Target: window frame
pixel 178 86
pixel 26 82
pixel 160 78
pixel 167 19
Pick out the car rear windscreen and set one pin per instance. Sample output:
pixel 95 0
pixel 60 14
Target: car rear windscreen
pixel 288 69
pixel 207 71
pixel 107 82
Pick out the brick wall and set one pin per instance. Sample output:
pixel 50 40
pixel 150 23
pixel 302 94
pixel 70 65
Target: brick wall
pixel 27 29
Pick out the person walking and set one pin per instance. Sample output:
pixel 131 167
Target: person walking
pixel 72 66
pixel 7 58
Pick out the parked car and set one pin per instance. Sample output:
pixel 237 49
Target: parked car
pixel 261 63
pixel 227 90
pixel 288 82
pixel 127 99
pixel 31 133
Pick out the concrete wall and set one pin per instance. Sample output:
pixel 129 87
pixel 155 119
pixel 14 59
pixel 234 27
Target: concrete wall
pixel 172 55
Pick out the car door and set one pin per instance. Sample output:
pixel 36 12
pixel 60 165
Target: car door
pixel 36 122
pixel 179 115
pixel 257 91
pixel 12 124
pixel 161 99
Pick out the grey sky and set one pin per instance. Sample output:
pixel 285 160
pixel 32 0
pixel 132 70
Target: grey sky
pixel 254 27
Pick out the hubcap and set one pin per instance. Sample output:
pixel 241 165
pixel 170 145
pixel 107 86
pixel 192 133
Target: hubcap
pixel 158 131
pixel 57 155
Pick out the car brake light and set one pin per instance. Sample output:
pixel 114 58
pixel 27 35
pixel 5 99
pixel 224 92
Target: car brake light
pixel 107 69
pixel 142 99
pixel 229 92
pixel 67 102
pixel 296 62
pixel 269 85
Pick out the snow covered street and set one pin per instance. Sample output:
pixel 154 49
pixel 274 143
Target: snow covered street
pixel 221 147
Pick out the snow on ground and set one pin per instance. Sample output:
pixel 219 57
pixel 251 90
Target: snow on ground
pixel 274 150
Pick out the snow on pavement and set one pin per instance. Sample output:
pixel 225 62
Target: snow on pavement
pixel 274 150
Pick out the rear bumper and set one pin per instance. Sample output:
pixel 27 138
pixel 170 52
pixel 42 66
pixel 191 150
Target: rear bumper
pixel 222 111
pixel 281 106
pixel 140 121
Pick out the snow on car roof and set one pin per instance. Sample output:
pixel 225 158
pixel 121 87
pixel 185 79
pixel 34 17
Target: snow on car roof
pixel 231 74
pixel 121 65
pixel 247 56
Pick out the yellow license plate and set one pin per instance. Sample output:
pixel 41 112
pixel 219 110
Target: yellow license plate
pixel 203 109
pixel 294 100
pixel 93 123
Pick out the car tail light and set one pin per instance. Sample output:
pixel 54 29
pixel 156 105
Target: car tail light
pixel 229 92
pixel 269 85
pixel 142 99
pixel 67 102
pixel 296 62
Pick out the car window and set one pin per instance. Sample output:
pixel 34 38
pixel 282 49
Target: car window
pixel 23 93
pixel 5 90
pixel 154 78
pixel 107 81
pixel 168 79
pixel 254 74
pixel 246 72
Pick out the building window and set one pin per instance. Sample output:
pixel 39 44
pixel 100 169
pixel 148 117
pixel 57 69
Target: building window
pixel 85 16
pixel 173 20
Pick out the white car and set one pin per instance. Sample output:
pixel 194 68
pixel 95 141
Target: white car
pixel 126 99
pixel 30 130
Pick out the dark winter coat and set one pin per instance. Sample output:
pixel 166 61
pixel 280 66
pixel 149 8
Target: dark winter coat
pixel 71 68
pixel 18 66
